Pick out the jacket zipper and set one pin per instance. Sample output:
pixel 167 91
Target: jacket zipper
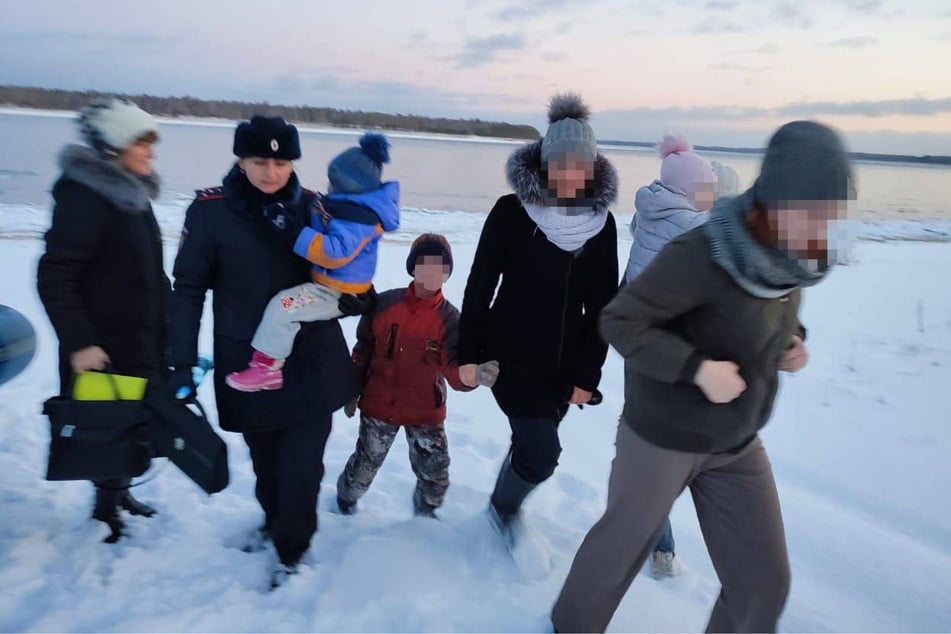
pixel 564 313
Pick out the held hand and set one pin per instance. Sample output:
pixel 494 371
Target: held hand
pixel 796 356
pixel 351 408
pixel 468 375
pixel 488 373
pixel 720 381
pixel 352 305
pixel 91 358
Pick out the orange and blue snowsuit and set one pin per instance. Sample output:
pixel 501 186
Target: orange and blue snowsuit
pixel 344 234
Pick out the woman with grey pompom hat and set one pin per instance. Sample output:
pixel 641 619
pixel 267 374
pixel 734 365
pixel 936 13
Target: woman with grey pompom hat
pixel 553 245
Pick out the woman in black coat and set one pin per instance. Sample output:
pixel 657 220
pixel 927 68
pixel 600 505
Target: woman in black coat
pixel 101 279
pixel 553 244
pixel 231 248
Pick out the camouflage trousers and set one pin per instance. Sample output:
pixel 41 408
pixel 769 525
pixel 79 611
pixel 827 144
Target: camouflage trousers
pixel 428 456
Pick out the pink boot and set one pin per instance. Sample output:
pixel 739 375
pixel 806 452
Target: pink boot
pixel 263 373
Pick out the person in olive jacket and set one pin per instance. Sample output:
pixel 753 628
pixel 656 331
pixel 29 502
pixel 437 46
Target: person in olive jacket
pixel 101 278
pixel 230 247
pixel 553 244
pixel 705 330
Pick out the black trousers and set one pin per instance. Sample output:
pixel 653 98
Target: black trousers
pixel 289 465
pixel 535 448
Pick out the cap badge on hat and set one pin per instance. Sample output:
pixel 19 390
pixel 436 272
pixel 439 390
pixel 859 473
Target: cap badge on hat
pixel 274 145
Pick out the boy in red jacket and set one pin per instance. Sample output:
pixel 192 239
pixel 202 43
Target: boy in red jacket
pixel 405 354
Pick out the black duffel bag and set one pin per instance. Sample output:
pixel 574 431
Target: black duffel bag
pixel 186 438
pixel 97 440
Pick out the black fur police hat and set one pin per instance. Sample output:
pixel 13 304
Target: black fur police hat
pixel 266 137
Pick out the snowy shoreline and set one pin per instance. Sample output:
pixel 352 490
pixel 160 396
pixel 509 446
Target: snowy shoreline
pixel 859 443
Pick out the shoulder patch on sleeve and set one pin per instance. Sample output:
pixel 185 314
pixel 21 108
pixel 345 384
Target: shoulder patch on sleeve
pixel 210 193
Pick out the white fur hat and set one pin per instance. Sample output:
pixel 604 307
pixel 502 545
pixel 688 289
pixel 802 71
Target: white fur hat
pixel 728 182
pixel 112 124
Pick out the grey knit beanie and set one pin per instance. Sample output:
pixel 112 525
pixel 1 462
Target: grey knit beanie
pixel 568 130
pixel 805 160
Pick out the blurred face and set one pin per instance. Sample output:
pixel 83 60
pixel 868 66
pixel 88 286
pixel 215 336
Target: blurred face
pixel 811 231
pixel 267 174
pixel 137 158
pixel 430 273
pixel 702 195
pixel 569 176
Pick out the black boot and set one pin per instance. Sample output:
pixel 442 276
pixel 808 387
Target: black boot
pixel 510 491
pixel 133 506
pixel 106 511
pixel 258 540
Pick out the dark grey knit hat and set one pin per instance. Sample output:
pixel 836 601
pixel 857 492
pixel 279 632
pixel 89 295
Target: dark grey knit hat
pixel 568 130
pixel 805 160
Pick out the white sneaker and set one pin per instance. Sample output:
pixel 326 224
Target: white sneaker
pixel 664 565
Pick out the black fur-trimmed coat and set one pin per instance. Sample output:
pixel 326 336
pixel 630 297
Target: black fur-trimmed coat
pixel 101 278
pixel 542 325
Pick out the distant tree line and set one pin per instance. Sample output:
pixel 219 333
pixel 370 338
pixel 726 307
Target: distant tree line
pixel 47 99
pixel 856 156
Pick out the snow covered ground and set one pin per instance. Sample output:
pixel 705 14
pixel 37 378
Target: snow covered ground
pixel 860 443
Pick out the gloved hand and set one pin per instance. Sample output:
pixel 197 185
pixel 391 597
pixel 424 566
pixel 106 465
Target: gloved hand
pixel 351 305
pixel 180 380
pixel 351 408
pixel 487 373
pixel 285 220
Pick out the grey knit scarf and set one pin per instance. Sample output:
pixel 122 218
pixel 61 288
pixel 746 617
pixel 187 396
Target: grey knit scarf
pixel 761 271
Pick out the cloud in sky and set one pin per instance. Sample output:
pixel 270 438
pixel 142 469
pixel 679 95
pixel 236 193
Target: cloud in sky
pixel 854 42
pixel 739 67
pixel 716 25
pixel 720 5
pixel 480 51
pixel 792 15
pixel 863 6
pixel 765 49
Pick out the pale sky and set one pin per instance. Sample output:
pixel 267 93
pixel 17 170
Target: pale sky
pixel 719 71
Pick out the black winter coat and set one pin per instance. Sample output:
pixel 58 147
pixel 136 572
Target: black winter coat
pixel 230 248
pixel 101 278
pixel 543 324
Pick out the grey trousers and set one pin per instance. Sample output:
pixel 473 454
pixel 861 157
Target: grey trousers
pixel 285 312
pixel 428 455
pixel 738 508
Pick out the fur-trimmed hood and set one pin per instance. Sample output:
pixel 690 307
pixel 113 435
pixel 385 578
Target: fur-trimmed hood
pixel 523 171
pixel 124 190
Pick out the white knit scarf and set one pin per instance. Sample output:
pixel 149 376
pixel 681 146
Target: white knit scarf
pixel 568 230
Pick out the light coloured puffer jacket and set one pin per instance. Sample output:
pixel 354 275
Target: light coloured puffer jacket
pixel 661 214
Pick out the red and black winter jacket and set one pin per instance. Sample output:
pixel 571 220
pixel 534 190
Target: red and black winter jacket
pixel 405 354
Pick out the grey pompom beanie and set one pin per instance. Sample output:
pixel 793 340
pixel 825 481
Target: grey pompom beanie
pixel 568 130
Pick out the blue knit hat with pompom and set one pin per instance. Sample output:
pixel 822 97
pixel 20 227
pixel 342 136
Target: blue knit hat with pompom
pixel 359 169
